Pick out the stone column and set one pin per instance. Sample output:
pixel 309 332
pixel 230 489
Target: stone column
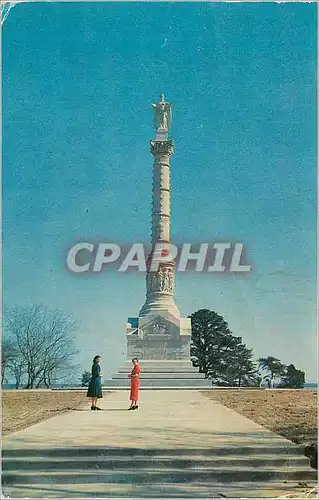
pixel 160 284
pixel 161 214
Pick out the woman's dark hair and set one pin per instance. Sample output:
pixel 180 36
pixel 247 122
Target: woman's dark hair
pixel 134 359
pixel 96 358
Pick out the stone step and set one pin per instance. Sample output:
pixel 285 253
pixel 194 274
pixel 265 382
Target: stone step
pixel 160 369
pixel 42 464
pixel 164 367
pixel 240 489
pixel 244 450
pixel 177 383
pixel 203 475
pixel 161 375
pixel 162 362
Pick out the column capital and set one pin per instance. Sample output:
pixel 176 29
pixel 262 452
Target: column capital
pixel 159 148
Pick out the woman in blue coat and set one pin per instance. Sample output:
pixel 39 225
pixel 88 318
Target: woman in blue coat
pixel 95 385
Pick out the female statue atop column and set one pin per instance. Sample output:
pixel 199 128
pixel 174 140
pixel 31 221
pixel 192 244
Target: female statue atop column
pixel 162 115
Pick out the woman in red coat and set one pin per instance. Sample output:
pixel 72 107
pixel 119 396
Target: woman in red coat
pixel 135 384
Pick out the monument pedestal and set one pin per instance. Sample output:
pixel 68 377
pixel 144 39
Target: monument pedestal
pixel 161 342
pixel 159 337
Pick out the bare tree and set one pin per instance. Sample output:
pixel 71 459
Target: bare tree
pixel 11 362
pixel 44 342
pixel 7 349
pixel 85 378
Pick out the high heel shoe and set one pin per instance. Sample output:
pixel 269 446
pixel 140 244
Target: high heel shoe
pixel 135 407
pixel 93 407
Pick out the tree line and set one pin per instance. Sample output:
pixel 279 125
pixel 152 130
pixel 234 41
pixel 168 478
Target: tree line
pixel 227 361
pixel 38 350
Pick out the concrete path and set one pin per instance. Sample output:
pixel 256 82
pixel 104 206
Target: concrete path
pixel 178 444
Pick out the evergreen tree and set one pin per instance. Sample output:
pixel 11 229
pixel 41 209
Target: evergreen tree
pixel 217 352
pixel 242 369
pixel 293 378
pixel 272 366
pixel 210 336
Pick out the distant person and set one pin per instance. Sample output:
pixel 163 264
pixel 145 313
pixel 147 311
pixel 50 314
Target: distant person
pixel 268 383
pixel 95 384
pixel 135 384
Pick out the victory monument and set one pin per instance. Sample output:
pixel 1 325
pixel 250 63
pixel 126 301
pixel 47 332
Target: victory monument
pixel 159 337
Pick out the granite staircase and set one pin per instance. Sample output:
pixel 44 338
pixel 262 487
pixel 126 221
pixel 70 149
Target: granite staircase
pixel 160 374
pixel 248 472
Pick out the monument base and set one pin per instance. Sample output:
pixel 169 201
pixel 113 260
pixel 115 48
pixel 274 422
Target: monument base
pixel 161 342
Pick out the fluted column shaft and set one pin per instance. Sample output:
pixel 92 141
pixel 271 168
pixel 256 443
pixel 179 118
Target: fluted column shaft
pixel 160 284
pixel 161 212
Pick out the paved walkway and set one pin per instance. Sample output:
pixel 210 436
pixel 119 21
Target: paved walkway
pixel 179 443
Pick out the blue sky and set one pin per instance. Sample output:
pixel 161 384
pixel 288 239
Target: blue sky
pixel 78 80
